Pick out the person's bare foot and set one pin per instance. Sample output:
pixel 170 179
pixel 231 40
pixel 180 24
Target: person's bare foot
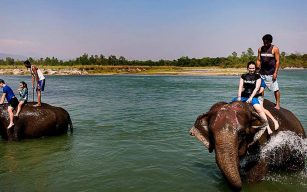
pixel 37 105
pixel 10 126
pixel 276 125
pixel 269 131
pixel 277 107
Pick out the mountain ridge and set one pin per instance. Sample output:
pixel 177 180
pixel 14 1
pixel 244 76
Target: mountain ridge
pixel 14 56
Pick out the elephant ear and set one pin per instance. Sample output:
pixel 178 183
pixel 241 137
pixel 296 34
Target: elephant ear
pixel 201 131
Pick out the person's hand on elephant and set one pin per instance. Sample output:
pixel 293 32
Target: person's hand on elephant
pixel 249 100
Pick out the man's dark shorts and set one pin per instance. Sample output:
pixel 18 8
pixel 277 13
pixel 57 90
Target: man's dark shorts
pixel 14 102
pixel 41 85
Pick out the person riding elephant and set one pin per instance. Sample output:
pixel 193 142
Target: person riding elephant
pixel 228 128
pixel 34 122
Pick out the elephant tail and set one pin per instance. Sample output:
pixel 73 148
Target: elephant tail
pixel 71 127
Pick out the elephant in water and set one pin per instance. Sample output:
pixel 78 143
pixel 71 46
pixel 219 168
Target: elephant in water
pixel 228 128
pixel 35 122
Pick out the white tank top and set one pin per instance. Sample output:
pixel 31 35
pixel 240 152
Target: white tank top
pixel 39 74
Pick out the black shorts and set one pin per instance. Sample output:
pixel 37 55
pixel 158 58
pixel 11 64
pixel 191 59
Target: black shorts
pixel 14 102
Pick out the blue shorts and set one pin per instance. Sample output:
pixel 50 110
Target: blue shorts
pixel 41 85
pixel 244 99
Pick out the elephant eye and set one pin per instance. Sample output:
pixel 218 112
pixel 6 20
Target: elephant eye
pixel 242 133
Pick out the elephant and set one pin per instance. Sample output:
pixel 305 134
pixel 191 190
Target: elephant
pixel 228 128
pixel 35 122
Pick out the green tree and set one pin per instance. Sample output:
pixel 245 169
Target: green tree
pixel 250 54
pixel 234 54
pixel 112 60
pixel 283 57
pixel 122 60
pixel 9 61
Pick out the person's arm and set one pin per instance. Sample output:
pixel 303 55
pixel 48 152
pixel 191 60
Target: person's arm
pixel 2 98
pixel 258 83
pixel 33 76
pixel 240 89
pixel 261 89
pixel 277 58
pixel 23 93
pixel 258 63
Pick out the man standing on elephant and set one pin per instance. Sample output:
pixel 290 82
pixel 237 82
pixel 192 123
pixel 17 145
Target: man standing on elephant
pixel 11 99
pixel 38 77
pixel 268 62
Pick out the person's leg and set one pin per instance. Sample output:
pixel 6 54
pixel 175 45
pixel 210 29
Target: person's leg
pixel 19 108
pixel 11 116
pixel 39 94
pixel 269 114
pixel 277 97
pixel 260 111
pixel 257 136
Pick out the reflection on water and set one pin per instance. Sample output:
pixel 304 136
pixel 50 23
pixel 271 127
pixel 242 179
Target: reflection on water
pixel 28 162
pixel 131 134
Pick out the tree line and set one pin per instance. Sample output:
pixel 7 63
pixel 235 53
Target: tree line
pixel 233 60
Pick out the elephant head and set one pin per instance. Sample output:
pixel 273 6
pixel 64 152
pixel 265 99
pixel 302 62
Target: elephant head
pixel 227 129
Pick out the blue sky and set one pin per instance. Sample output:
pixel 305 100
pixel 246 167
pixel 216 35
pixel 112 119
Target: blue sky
pixel 149 29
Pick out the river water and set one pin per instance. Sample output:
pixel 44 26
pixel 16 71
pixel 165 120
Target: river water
pixel 131 134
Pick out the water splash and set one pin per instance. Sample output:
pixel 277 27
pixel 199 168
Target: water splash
pixel 284 146
pixel 283 152
pixel 286 151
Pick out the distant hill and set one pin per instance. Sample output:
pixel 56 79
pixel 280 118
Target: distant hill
pixel 16 57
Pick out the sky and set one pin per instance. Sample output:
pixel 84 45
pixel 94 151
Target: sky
pixel 149 29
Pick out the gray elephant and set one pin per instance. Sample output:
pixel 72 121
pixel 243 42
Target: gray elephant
pixel 35 122
pixel 228 128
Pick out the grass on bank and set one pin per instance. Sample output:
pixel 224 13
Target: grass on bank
pixel 106 70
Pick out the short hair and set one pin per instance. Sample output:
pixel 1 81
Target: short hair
pixel 250 63
pixel 268 38
pixel 2 81
pixel 27 63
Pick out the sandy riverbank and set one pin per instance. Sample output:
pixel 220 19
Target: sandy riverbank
pixel 113 70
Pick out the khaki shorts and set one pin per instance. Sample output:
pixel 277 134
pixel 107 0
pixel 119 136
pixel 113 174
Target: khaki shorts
pixel 268 79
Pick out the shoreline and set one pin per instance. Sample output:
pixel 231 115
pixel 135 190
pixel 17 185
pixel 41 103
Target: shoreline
pixel 133 70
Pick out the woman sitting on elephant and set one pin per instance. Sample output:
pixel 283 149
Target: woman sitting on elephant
pixel 247 92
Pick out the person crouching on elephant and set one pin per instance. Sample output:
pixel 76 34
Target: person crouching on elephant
pixel 248 88
pixel 23 93
pixel 9 95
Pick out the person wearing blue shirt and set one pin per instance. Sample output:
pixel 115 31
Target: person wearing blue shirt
pixel 9 95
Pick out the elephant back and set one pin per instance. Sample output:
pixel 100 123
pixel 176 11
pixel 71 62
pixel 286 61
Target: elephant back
pixel 287 120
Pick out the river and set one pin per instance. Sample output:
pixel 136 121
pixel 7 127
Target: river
pixel 131 134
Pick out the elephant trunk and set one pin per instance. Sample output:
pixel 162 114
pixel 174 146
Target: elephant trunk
pixel 227 158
